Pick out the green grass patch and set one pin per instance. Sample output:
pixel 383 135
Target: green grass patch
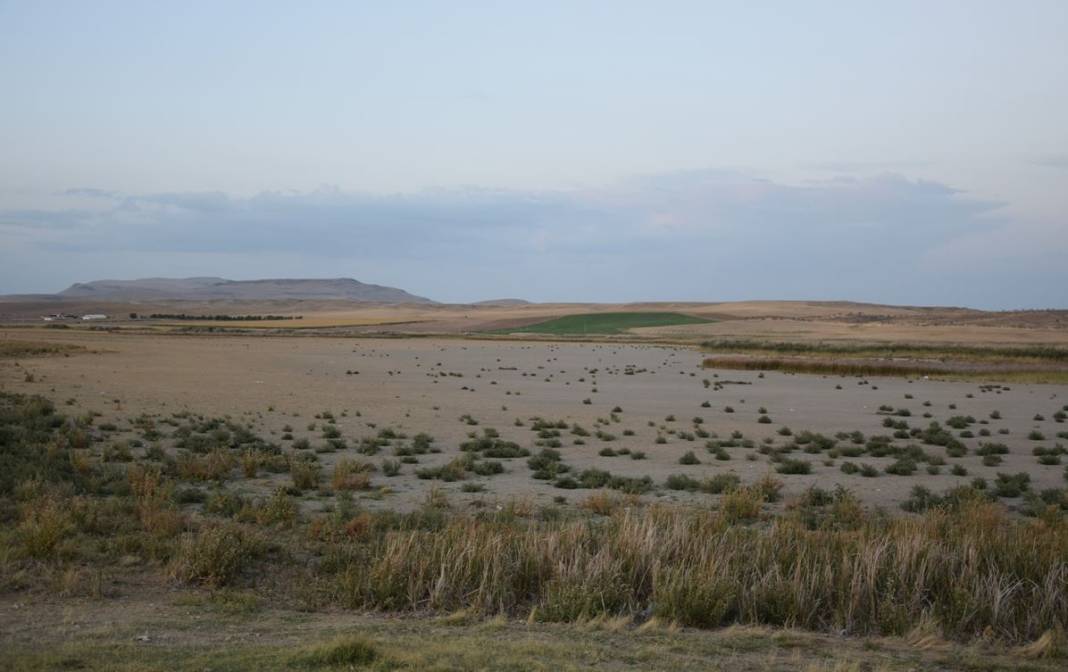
pixel 604 323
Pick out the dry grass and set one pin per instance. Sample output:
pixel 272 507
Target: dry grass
pixel 974 572
pixel 215 556
pixel 352 475
pixel 959 352
pixel 45 522
pixel 213 466
pixel 948 370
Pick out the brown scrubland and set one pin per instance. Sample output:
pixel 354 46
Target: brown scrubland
pixel 817 486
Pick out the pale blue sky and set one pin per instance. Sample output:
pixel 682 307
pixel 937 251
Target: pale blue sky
pixel 911 152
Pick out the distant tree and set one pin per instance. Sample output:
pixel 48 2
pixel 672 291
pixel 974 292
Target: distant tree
pixel 133 316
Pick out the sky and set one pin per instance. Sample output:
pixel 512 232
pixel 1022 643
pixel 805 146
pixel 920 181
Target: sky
pixel 893 152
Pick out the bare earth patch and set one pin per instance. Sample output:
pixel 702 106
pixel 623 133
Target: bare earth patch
pixel 153 629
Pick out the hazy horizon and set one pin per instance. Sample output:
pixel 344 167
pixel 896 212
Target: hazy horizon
pixel 907 153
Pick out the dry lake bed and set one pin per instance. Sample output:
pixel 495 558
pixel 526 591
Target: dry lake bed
pixel 620 416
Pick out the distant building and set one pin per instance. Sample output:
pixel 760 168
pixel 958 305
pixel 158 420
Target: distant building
pixel 94 317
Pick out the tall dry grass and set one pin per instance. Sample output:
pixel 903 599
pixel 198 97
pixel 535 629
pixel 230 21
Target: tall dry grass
pixel 975 572
pixel 910 350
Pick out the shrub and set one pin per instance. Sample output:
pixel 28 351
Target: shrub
pixel 224 503
pixel 454 470
pixel 956 449
pixel 770 488
pixel 791 466
pixel 546 464
pixel 992 449
pixel 682 482
pixel 487 468
pixel 1012 485
pixel 689 458
pixel 118 452
pixel 741 505
pixel 346 652
pixel 814 496
pixel 921 499
pixel 45 522
pixel 214 466
pixel 489 445
pixel 352 475
pixel 215 556
pixel 305 474
pixel 902 467
pixel 279 509
pixel 391 468
pixel 720 483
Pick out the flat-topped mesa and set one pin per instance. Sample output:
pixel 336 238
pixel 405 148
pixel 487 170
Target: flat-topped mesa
pixel 207 288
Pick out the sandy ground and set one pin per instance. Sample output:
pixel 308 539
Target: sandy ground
pixel 399 384
pixel 147 628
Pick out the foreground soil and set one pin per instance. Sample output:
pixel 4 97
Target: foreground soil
pixel 157 629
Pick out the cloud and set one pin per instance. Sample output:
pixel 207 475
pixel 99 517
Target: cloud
pixel 207 201
pixel 89 192
pixel 866 166
pixel 1051 161
pixel 691 235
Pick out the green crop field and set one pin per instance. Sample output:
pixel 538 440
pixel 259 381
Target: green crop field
pixel 605 323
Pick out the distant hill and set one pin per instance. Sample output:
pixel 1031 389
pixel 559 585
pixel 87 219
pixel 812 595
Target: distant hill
pixel 502 302
pixel 202 289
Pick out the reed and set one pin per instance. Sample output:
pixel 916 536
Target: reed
pixel 974 571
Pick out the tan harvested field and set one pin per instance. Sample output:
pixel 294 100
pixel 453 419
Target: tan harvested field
pixel 789 329
pixel 428 384
pixel 762 320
